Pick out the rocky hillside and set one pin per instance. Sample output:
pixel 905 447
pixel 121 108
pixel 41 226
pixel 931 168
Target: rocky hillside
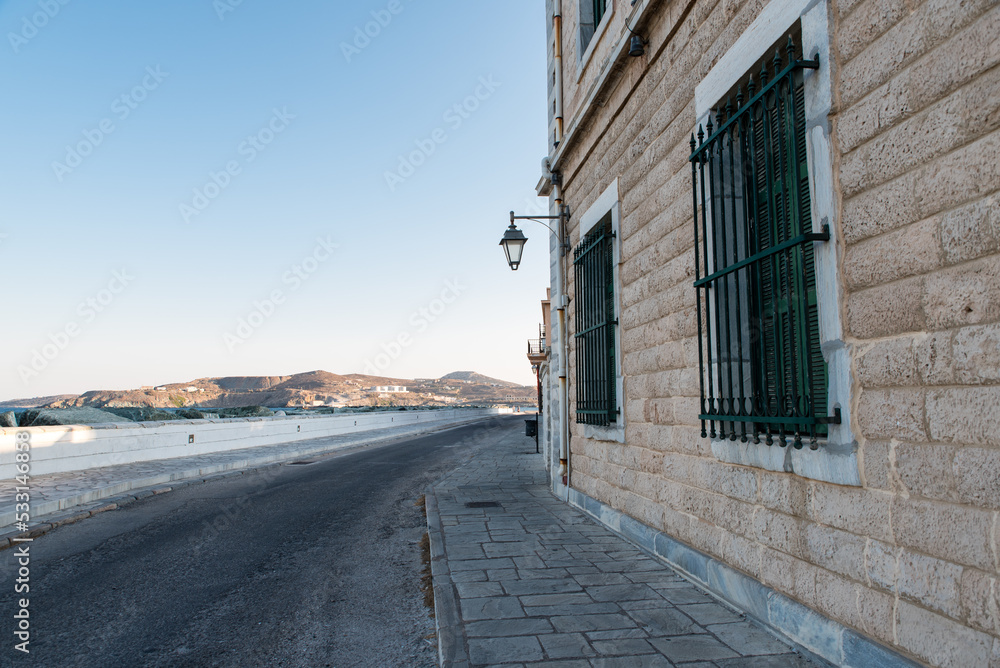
pixel 305 390
pixel 478 378
pixel 35 401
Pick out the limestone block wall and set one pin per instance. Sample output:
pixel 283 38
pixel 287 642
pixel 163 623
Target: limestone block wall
pixel 910 557
pixel 76 448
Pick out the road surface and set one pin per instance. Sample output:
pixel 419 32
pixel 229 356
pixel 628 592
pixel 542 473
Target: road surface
pixel 293 565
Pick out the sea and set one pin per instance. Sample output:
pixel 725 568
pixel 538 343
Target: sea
pixel 17 410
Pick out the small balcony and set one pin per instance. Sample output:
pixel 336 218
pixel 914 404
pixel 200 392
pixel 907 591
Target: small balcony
pixel 537 353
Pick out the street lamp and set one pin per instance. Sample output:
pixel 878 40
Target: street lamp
pixel 637 45
pixel 513 245
pixel 513 239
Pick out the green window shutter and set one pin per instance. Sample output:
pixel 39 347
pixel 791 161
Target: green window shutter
pixel 762 370
pixel 595 320
pixel 600 7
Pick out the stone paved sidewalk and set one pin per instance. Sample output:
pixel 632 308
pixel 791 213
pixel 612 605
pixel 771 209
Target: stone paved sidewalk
pixel 533 581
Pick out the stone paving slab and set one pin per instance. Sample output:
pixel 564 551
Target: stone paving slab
pixel 58 497
pixel 532 581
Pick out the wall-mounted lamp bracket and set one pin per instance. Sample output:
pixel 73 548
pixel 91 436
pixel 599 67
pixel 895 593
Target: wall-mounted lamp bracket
pixel 637 46
pixel 562 218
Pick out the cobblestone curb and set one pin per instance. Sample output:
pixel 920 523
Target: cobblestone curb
pixel 452 652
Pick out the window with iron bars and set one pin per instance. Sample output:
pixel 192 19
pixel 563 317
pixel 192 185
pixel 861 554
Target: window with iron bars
pixel 762 370
pixel 600 6
pixel 590 15
pixel 593 262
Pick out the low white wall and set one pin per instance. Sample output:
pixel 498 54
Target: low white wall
pixel 75 448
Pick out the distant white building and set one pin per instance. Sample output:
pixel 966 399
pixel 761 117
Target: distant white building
pixel 389 389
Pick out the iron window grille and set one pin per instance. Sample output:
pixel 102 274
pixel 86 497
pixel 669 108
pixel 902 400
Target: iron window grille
pixel 593 261
pixel 762 370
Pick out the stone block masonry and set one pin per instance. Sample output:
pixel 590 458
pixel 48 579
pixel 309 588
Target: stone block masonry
pixel 908 553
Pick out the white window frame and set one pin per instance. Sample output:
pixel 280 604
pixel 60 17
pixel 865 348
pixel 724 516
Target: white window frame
pixel 609 201
pixel 836 459
pixel 586 51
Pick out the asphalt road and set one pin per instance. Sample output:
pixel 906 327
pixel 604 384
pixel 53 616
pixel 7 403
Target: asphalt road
pixel 293 565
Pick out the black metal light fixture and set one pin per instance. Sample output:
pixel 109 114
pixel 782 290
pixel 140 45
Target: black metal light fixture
pixel 637 46
pixel 513 244
pixel 513 239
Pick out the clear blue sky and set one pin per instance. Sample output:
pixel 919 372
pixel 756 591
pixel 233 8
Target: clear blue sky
pixel 116 112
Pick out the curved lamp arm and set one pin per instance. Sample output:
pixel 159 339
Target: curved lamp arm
pixel 537 220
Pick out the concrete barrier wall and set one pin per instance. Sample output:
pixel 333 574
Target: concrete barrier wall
pixel 75 448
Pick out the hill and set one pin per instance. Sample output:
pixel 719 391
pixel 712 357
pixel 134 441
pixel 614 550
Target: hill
pixel 34 401
pixel 303 390
pixel 473 377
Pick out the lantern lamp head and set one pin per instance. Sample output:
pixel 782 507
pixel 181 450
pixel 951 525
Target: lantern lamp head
pixel 513 245
pixel 637 46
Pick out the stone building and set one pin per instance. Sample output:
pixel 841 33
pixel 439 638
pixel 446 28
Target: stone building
pixel 775 301
pixel 538 358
